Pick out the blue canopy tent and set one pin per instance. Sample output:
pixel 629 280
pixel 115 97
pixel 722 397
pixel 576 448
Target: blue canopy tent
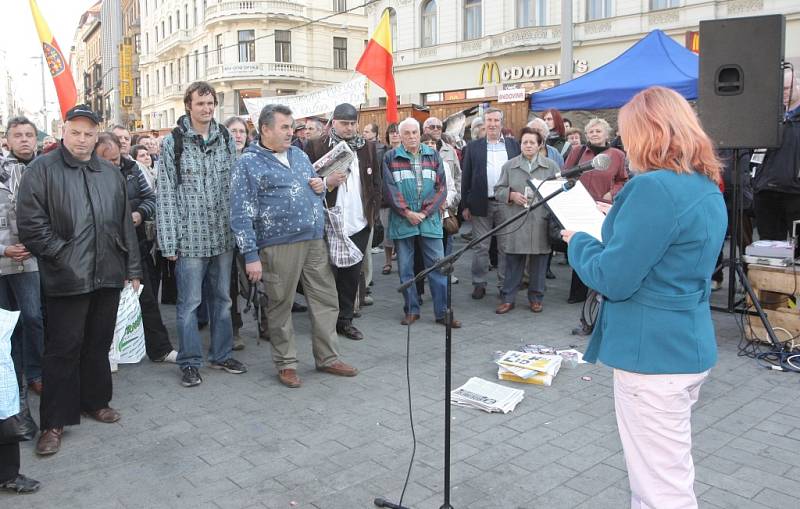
pixel 655 60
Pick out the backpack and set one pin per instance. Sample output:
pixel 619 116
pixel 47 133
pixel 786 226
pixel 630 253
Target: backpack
pixel 177 137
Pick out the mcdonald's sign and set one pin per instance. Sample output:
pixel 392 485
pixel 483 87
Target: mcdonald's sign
pixel 693 41
pixel 493 70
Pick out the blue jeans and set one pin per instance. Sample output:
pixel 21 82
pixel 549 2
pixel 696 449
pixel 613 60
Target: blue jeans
pixel 189 274
pixel 432 251
pixel 22 292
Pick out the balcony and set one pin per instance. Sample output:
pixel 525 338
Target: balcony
pixel 255 70
pixel 173 40
pixel 173 91
pixel 252 9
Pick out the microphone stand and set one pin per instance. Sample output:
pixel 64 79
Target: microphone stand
pixel 445 265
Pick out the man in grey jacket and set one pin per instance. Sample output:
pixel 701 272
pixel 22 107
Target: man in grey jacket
pixel 19 273
pixel 194 229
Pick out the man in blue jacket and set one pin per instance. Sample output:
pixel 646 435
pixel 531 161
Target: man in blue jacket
pixel 277 217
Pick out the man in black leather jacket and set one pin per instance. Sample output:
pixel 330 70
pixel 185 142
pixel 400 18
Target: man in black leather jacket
pixel 73 214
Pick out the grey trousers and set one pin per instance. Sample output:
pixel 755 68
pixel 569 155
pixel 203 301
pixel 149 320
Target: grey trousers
pixel 480 259
pixel 284 265
pixel 515 266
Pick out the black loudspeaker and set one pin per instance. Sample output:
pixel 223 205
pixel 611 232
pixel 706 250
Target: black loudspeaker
pixel 740 88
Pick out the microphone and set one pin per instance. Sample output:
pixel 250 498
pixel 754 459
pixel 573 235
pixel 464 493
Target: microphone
pixel 384 503
pixel 600 162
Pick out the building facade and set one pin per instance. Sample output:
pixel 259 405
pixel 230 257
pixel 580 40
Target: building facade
pixel 85 59
pixel 129 76
pixel 10 106
pixel 111 39
pixel 456 50
pixel 246 49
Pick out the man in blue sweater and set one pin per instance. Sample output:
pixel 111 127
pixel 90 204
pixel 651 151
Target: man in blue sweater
pixel 278 217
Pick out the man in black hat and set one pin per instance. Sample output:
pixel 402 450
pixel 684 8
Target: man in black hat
pixel 357 194
pixel 73 215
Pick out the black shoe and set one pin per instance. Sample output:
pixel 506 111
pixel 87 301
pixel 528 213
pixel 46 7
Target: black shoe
pixel 349 331
pixel 298 308
pixel 550 274
pixel 583 330
pixel 479 292
pixel 191 377
pixel 230 365
pixel 21 485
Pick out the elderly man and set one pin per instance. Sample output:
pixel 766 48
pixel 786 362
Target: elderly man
pixel 19 274
pixel 314 129
pixel 124 137
pixel 483 160
pixel 776 187
pixel 357 194
pixel 414 186
pixel 86 254
pixel 277 215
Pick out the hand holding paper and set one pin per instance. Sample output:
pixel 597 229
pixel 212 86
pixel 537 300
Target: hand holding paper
pixel 575 209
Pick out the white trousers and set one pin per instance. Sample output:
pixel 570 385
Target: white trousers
pixel 654 419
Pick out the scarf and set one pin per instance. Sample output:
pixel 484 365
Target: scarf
pixel 597 149
pixel 355 143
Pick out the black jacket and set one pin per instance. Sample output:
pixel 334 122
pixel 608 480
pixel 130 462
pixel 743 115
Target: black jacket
pixel 75 217
pixel 474 190
pixel 141 197
pixel 370 174
pixel 781 168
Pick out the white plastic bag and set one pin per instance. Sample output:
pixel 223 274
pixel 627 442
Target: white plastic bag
pixel 128 344
pixel 9 390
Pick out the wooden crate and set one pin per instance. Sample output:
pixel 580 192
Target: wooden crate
pixel 774 286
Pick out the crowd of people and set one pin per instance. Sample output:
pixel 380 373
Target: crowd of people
pixel 179 218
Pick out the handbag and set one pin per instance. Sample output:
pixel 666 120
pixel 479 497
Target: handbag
pixel 450 223
pixel 20 427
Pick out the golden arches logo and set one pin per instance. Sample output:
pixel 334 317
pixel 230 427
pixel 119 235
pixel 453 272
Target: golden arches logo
pixel 493 69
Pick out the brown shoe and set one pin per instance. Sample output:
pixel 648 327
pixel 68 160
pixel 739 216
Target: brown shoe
pixel 536 307
pixel 36 387
pixel 107 415
pixel 49 441
pixel 409 319
pixel 289 378
pixel 478 292
pixel 455 324
pixel 339 368
pixel 504 308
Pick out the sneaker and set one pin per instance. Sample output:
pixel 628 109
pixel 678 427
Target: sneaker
pixel 230 365
pixel 454 280
pixel 171 357
pixel 376 250
pixel 191 377
pixel 21 485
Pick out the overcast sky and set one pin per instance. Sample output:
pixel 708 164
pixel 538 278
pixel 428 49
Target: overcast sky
pixel 19 41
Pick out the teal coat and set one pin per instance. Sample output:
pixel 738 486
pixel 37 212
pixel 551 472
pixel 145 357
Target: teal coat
pixel 400 192
pixel 660 245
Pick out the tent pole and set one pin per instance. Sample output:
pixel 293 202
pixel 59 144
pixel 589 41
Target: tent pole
pixel 566 40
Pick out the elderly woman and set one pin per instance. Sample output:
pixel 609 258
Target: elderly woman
pixel 530 240
pixel 660 244
pixel 602 185
pixel 539 125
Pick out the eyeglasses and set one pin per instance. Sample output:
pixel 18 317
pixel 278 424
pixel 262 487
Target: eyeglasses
pixel 431 126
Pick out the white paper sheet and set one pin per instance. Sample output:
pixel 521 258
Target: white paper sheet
pixel 575 209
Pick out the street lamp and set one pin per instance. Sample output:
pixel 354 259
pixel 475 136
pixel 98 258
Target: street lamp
pixel 40 58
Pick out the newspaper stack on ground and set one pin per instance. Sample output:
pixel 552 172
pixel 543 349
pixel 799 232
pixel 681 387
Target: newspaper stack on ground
pixel 571 357
pixel 528 368
pixel 486 396
pixel 338 158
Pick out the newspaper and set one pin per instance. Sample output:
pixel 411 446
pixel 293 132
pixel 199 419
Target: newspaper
pixel 338 158
pixel 487 396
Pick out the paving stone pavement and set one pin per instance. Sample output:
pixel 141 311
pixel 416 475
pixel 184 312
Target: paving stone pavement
pixel 245 441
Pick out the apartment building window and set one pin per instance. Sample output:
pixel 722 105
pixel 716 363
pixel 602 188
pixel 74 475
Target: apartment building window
pixel 178 19
pixel 169 21
pixel 196 64
pixel 171 73
pixel 164 77
pixel 137 87
pixel 339 5
pixel 188 79
pixel 163 33
pixel 137 43
pixel 158 83
pixel 247 45
pixel 186 15
pixel 472 19
pixel 283 46
pixel 531 13
pixel 145 6
pixel 219 48
pixel 146 42
pixel 598 9
pixel 339 53
pixel 663 4
pixel 429 23
pixel 147 84
pixel 205 59
pixel 156 33
pixel 180 71
pixel 194 8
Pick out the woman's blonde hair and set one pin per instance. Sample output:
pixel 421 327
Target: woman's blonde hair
pixel 598 121
pixel 661 131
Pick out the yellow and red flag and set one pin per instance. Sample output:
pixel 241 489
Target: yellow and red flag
pixel 62 77
pixel 377 65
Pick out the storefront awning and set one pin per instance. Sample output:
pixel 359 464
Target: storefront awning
pixel 655 60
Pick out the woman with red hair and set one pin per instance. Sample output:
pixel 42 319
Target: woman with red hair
pixel 558 132
pixel 660 244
